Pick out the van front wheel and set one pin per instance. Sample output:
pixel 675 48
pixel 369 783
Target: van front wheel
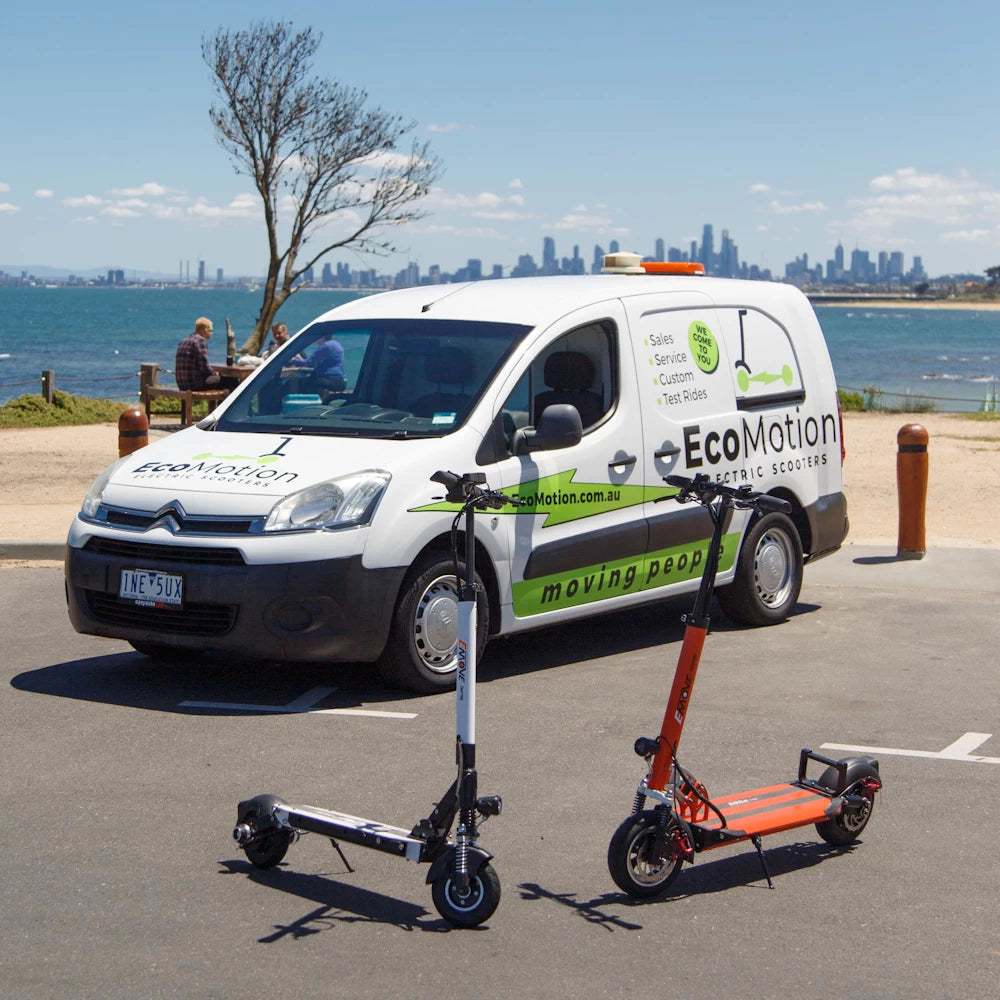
pixel 420 654
pixel 768 573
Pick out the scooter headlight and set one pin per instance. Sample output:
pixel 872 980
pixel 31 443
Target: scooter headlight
pixel 92 501
pixel 344 502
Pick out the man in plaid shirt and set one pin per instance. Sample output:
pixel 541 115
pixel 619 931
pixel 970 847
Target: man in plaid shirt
pixel 191 367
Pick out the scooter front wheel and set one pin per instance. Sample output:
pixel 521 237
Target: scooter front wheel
pixel 636 865
pixel 471 907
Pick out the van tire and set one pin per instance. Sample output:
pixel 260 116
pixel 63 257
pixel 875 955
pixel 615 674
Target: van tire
pixel 420 653
pixel 768 573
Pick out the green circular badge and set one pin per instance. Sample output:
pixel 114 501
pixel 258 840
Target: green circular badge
pixel 704 348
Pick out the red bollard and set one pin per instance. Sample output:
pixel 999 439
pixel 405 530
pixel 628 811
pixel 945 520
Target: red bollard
pixel 133 431
pixel 911 482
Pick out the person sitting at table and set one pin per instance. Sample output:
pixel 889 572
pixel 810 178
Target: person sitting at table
pixel 327 363
pixel 191 366
pixel 279 337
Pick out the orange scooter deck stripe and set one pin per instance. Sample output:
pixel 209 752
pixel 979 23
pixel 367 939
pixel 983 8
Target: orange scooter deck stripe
pixel 769 810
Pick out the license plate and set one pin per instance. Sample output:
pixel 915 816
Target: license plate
pixel 151 588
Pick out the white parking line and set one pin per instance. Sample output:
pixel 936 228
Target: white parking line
pixel 297 706
pixel 961 749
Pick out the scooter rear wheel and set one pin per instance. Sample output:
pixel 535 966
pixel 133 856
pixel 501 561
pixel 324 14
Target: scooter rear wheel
pixel 267 849
pixel 634 866
pixel 471 908
pixel 846 828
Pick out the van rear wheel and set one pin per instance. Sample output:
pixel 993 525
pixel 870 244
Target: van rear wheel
pixel 420 654
pixel 768 573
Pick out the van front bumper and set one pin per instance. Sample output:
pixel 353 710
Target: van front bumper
pixel 329 610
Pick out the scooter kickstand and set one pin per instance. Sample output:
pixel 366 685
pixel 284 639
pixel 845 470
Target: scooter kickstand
pixel 336 847
pixel 755 840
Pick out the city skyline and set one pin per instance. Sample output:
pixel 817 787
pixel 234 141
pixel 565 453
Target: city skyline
pixel 801 130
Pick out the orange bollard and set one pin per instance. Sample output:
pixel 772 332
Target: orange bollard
pixel 133 431
pixel 911 482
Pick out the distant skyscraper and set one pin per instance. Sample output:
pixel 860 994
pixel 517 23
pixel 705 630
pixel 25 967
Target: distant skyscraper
pixel 838 258
pixel 218 275
pixel 201 272
pixel 658 250
pixel 475 269
pixel 708 248
pixel 549 263
pixel 613 246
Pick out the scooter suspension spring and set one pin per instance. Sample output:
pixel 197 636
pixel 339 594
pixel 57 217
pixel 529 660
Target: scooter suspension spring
pixel 638 803
pixel 461 854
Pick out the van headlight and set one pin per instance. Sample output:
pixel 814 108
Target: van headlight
pixel 92 501
pixel 338 503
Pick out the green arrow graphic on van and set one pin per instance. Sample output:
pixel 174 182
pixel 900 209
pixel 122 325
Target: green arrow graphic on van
pixel 562 499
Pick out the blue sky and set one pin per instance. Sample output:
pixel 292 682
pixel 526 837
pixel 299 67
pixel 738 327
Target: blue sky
pixel 792 125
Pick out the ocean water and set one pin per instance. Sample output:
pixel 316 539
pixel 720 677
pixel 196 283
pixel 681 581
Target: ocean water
pixel 95 339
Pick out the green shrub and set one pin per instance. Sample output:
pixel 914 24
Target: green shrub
pixel 33 411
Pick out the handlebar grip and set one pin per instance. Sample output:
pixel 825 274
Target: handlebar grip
pixel 447 479
pixel 776 505
pixel 681 482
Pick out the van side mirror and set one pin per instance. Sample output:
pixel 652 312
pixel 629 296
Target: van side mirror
pixel 559 426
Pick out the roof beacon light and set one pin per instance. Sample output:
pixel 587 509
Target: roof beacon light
pixel 672 267
pixel 632 263
pixel 622 263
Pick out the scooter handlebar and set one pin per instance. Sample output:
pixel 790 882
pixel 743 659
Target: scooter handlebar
pixel 704 490
pixel 468 489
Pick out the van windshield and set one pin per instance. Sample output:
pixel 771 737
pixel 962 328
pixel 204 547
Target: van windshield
pixel 377 378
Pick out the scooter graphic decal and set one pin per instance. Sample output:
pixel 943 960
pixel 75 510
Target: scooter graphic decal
pixel 562 500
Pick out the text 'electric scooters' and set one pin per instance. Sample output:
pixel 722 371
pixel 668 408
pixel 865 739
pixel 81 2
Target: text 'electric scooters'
pixel 648 849
pixel 464 886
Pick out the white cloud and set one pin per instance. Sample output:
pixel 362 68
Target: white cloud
pixel 444 129
pixel 584 223
pixel 7 208
pixel 516 184
pixel 808 206
pixel 151 189
pixel 760 188
pixel 4 186
pixel 907 196
pixel 86 219
pixel 970 235
pixel 166 212
pixel 44 193
pixel 241 207
pixel 120 212
pixel 87 201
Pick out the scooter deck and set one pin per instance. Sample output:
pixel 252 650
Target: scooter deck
pixel 352 830
pixel 766 810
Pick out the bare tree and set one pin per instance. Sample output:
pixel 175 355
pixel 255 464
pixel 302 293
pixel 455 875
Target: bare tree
pixel 329 170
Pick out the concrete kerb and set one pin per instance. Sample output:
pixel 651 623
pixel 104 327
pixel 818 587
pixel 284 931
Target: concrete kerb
pixel 28 549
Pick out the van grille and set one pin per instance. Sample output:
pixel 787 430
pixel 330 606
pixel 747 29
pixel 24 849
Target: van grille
pixel 150 552
pixel 196 619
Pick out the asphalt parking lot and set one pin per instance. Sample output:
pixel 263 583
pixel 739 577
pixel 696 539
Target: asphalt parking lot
pixel 121 779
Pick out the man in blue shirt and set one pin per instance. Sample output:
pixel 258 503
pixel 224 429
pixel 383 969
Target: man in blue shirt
pixel 327 363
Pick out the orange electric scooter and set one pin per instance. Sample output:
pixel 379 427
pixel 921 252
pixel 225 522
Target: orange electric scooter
pixel 649 848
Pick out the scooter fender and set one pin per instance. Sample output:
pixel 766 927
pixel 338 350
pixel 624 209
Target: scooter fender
pixel 443 863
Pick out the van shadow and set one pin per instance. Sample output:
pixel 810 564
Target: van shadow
pixel 217 686
pixel 135 681
pixel 612 634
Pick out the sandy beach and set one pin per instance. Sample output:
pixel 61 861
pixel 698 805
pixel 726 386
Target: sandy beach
pixel 48 471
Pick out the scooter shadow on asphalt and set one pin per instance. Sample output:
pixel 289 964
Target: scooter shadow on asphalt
pixel 340 903
pixel 737 871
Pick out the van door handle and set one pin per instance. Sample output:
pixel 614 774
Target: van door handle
pixel 627 460
pixel 666 452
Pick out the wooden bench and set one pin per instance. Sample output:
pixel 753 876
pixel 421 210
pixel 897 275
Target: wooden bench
pixel 188 398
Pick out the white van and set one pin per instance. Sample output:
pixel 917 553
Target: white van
pixel 298 522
